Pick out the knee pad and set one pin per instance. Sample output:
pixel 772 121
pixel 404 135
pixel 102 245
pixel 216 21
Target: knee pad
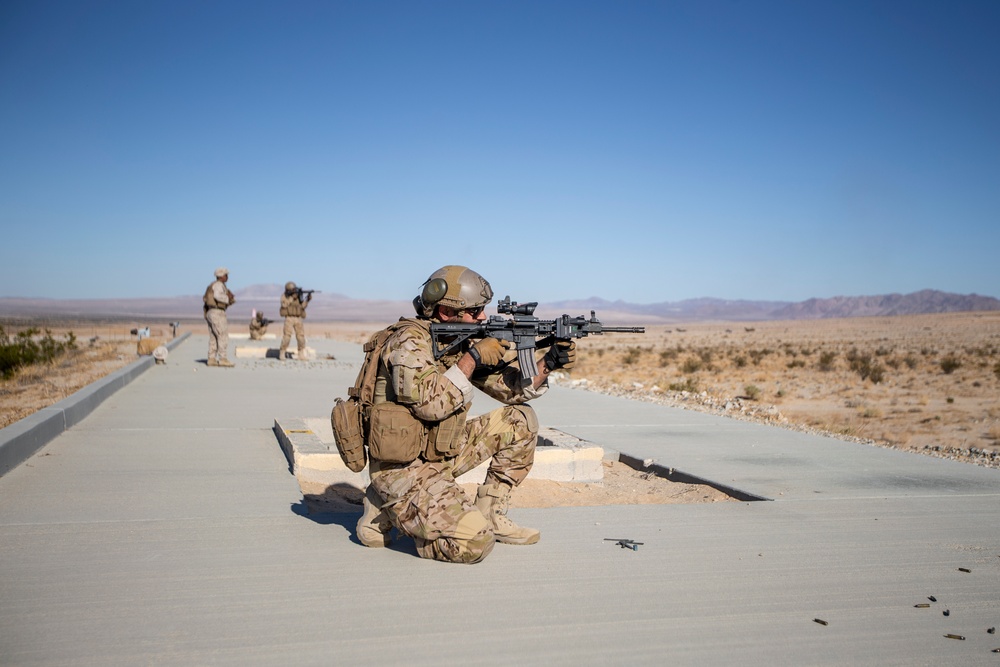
pixel 529 416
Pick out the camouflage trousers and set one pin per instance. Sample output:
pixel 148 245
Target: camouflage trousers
pixel 293 324
pixel 424 501
pixel 218 333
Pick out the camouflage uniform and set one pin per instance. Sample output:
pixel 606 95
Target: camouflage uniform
pixel 217 299
pixel 422 498
pixel 257 327
pixel 294 312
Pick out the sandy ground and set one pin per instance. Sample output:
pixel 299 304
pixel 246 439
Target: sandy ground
pixel 923 383
pixel 928 383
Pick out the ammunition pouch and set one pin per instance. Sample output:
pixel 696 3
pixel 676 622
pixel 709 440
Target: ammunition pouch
pixel 347 419
pixel 394 434
pixel 445 437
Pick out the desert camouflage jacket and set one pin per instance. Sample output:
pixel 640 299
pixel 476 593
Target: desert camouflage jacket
pixel 414 378
pixel 291 306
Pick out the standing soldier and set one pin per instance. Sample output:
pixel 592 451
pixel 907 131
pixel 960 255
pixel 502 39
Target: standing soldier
pixel 293 309
pixel 217 298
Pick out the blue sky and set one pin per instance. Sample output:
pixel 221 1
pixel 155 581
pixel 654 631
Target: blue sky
pixel 644 151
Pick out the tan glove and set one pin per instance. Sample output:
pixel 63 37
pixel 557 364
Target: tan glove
pixel 489 351
pixel 561 355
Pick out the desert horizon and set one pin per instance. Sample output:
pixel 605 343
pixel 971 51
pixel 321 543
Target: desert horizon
pixel 925 383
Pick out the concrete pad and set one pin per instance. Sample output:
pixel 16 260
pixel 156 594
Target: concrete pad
pixel 311 450
pixel 246 336
pixel 26 436
pixel 263 352
pixel 166 528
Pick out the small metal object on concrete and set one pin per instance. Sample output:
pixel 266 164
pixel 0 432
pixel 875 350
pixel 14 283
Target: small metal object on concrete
pixel 820 621
pixel 922 605
pixel 959 637
pixel 932 598
pixel 624 543
pixel 946 612
pixel 991 630
pixel 964 569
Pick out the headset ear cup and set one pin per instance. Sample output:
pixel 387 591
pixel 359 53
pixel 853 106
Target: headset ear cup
pixel 434 290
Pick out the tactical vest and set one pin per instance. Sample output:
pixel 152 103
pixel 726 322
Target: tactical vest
pixel 210 301
pixel 291 306
pixel 441 439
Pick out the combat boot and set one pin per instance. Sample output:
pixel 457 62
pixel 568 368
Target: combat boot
pixel 212 362
pixel 493 500
pixel 374 526
pixel 225 363
pixel 281 354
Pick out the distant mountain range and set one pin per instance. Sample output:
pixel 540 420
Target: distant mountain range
pixel 338 307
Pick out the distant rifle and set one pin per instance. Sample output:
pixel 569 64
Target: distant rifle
pixel 523 329
pixel 264 321
pixel 306 292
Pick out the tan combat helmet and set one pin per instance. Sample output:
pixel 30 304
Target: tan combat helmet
pixel 457 287
pixel 289 287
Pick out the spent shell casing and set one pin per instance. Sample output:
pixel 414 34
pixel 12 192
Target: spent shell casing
pixel 820 621
pixel 964 569
pixel 959 637
pixel 996 650
pixel 922 605
pixel 932 598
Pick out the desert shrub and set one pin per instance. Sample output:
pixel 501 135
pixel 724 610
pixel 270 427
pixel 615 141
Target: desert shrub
pixel 668 355
pixel 950 364
pixel 757 355
pixel 996 370
pixel 739 361
pixel 23 350
pixel 826 360
pixel 911 361
pixel 866 366
pixel 632 355
pixel 752 392
pixel 705 356
pixel 796 363
pixel 688 385
pixel 691 365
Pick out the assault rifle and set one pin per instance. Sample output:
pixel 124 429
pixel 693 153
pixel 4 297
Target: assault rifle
pixel 523 329
pixel 305 292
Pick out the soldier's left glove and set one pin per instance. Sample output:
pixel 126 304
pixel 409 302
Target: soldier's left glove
pixel 489 351
pixel 561 355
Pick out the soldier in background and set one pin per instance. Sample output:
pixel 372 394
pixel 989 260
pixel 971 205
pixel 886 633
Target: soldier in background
pixel 217 298
pixel 293 309
pixel 258 325
pixel 431 398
